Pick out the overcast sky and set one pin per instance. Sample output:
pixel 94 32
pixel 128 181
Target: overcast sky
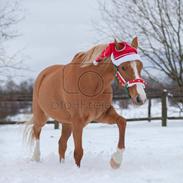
pixel 53 31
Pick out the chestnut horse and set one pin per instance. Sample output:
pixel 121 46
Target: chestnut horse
pixel 80 92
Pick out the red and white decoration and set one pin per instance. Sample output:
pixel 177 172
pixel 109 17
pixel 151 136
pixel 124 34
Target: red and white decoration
pixel 129 83
pixel 127 53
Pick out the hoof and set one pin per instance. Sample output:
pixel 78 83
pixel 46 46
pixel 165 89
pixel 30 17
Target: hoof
pixel 62 160
pixel 116 159
pixel 35 158
pixel 114 164
pixel 78 164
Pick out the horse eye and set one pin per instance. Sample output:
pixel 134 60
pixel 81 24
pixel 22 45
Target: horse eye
pixel 123 68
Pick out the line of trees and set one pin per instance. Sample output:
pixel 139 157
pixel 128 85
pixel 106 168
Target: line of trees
pixel 12 88
pixel 8 108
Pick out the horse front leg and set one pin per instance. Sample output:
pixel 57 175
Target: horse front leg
pixel 112 117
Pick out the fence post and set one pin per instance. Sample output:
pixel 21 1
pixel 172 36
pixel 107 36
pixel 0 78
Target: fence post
pixel 164 107
pixel 56 125
pixel 149 109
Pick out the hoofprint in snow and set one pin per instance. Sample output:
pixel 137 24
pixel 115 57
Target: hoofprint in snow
pixel 153 154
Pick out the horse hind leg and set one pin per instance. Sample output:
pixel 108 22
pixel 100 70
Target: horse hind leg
pixel 65 134
pixel 38 120
pixel 77 135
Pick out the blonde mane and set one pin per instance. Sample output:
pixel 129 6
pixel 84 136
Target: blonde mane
pixel 87 58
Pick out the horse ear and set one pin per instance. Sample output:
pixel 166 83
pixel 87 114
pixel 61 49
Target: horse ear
pixel 115 41
pixel 117 45
pixel 135 42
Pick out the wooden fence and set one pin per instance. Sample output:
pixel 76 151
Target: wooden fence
pixel 164 108
pixel 162 96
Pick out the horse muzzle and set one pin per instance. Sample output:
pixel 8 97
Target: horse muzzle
pixel 139 100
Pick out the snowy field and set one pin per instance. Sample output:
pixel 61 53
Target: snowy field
pixel 153 154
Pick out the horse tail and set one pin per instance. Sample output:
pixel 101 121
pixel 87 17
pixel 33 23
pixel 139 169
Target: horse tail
pixel 28 134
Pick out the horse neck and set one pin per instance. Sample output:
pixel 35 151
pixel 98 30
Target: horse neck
pixel 106 72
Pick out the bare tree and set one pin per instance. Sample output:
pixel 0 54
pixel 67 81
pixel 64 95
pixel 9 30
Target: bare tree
pixel 10 15
pixel 158 23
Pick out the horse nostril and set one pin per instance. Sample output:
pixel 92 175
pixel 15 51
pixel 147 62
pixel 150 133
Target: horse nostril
pixel 138 99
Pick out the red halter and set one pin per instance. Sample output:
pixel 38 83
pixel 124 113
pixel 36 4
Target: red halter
pixel 129 83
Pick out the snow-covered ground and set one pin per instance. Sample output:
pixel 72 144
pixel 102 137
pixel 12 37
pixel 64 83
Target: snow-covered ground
pixel 153 154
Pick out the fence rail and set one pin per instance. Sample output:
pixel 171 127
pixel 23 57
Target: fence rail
pixel 163 96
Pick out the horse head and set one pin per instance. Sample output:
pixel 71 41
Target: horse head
pixel 129 68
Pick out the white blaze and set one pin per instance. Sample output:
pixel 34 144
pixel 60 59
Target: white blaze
pixel 140 88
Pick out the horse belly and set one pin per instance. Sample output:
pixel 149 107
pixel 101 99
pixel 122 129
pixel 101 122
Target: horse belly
pixel 88 109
